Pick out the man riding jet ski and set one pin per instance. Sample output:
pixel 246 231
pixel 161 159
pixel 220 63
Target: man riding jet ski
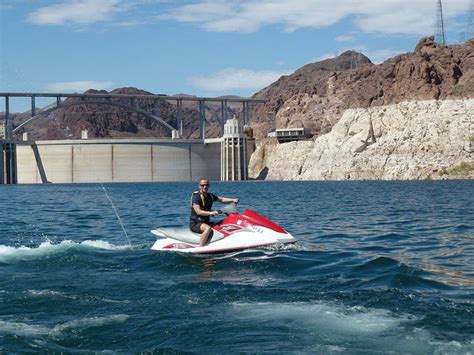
pixel 235 232
pixel 201 205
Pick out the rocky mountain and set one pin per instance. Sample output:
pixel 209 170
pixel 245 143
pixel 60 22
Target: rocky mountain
pixel 316 95
pixel 411 117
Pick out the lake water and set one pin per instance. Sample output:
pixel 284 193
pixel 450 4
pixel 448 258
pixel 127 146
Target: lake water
pixel 379 267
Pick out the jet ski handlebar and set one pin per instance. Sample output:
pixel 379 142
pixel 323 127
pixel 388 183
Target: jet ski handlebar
pixel 228 209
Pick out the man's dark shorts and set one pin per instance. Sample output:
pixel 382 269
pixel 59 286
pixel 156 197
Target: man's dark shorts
pixel 196 226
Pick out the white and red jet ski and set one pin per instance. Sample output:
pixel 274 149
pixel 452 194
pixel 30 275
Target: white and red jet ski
pixel 236 232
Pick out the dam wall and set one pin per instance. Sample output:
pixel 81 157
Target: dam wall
pixel 118 160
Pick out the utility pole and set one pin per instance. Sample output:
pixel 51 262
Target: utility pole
pixel 440 36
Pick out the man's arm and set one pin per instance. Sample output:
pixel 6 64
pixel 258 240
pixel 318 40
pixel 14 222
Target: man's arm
pixel 202 213
pixel 227 199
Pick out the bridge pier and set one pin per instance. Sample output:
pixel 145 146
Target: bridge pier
pixel 223 116
pixel 202 120
pixel 179 118
pixel 33 106
pixel 245 112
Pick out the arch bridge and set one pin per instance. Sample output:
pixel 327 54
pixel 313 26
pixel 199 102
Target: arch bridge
pixel 126 101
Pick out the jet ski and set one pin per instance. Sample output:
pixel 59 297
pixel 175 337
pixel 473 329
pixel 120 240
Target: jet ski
pixel 237 231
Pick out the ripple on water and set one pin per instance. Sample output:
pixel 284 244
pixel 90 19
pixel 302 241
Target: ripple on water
pixel 365 277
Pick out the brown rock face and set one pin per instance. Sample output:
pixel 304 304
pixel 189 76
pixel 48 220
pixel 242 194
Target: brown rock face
pixel 316 95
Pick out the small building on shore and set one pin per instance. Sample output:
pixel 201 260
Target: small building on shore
pixel 290 134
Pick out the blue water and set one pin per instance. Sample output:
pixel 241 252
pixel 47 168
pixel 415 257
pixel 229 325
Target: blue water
pixel 379 267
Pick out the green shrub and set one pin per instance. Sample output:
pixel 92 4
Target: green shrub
pixel 471 139
pixel 443 172
pixel 463 169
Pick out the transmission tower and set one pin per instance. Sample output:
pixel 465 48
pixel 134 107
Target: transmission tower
pixel 439 27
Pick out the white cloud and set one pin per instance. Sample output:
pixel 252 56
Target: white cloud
pixel 235 79
pixel 249 16
pixel 388 16
pixel 81 12
pixel 344 38
pixel 4 7
pixel 78 86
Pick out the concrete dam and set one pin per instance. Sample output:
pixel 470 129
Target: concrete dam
pixel 127 160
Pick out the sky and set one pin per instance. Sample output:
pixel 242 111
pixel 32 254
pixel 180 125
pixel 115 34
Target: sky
pixel 203 48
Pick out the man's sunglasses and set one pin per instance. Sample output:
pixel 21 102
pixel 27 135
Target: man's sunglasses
pixel 202 185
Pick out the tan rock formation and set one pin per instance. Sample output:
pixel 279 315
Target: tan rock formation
pixel 409 140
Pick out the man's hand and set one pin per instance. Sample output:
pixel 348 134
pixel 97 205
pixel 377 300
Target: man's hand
pixel 236 200
pixel 214 213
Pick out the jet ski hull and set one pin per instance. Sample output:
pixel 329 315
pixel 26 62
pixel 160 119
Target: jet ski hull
pixel 236 232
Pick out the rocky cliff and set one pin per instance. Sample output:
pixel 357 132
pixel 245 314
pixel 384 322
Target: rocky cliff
pixel 409 140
